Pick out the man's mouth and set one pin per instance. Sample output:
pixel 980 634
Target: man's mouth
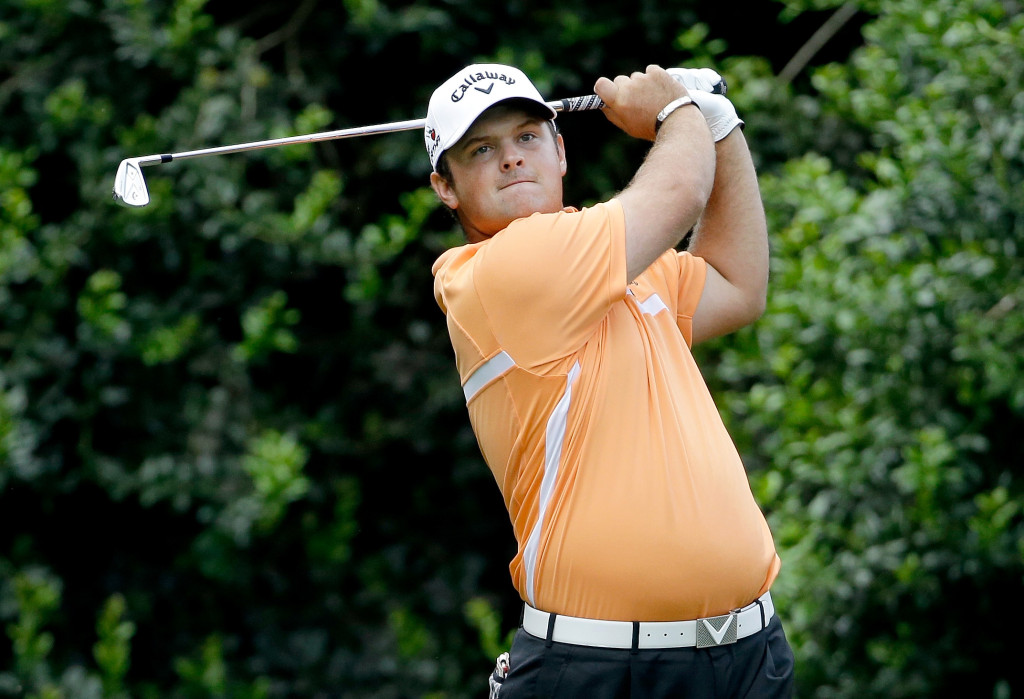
pixel 515 182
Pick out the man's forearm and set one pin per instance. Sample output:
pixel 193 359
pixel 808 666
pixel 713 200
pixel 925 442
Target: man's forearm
pixel 732 233
pixel 669 191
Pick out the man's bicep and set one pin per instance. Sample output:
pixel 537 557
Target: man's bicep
pixel 648 232
pixel 722 308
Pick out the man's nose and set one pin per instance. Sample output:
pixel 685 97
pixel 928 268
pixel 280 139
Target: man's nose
pixel 511 158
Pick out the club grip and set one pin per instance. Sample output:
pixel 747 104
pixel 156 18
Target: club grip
pixel 587 102
pixel 579 104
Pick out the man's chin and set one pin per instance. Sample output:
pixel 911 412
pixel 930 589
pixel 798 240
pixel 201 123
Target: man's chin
pixel 524 202
pixel 522 209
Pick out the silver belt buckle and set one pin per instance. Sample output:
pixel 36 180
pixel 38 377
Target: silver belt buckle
pixel 717 630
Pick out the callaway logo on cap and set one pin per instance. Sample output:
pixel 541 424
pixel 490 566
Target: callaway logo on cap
pixel 466 95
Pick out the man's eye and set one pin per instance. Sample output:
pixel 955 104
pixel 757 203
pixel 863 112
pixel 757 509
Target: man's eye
pixel 481 150
pixel 527 137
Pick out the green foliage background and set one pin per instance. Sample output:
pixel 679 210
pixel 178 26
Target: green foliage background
pixel 234 458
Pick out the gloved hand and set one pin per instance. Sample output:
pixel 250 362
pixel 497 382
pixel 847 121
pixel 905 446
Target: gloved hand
pixel 707 90
pixel 497 678
pixel 703 79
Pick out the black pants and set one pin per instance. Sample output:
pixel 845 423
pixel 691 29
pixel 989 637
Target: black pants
pixel 759 667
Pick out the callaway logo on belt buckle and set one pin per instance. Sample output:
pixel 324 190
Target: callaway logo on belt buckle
pixel 716 630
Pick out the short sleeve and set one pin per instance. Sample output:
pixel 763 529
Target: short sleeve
pixel 547 281
pixel 692 275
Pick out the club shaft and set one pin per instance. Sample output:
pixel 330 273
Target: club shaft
pixel 571 104
pixel 289 140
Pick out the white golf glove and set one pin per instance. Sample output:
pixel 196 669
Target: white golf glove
pixel 497 677
pixel 707 90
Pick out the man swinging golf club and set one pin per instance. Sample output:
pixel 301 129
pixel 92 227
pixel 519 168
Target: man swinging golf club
pixel 643 560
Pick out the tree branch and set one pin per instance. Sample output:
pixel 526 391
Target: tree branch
pixel 818 40
pixel 287 30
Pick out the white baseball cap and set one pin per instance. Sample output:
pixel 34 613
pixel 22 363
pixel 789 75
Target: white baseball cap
pixel 465 96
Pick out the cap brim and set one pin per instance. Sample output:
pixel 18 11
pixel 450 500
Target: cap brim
pixel 527 104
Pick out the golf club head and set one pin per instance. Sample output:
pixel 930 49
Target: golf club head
pixel 129 185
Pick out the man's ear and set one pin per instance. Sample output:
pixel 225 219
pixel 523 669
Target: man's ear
pixel 444 191
pixel 560 144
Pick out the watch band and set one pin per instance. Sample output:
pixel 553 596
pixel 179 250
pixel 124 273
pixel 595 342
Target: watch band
pixel 671 107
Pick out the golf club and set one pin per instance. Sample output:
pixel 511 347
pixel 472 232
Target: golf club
pixel 130 186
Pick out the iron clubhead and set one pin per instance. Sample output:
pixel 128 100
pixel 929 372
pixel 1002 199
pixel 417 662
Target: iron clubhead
pixel 129 185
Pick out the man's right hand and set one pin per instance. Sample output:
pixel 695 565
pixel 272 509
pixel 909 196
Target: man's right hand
pixel 633 102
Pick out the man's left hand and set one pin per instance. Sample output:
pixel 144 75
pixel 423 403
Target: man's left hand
pixel 707 90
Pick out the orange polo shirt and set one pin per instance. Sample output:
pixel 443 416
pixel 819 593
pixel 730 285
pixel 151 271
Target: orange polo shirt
pixel 626 494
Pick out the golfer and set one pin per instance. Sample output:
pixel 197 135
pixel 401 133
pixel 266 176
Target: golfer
pixel 643 561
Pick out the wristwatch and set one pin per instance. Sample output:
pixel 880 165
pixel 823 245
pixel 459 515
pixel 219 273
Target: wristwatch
pixel 671 107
